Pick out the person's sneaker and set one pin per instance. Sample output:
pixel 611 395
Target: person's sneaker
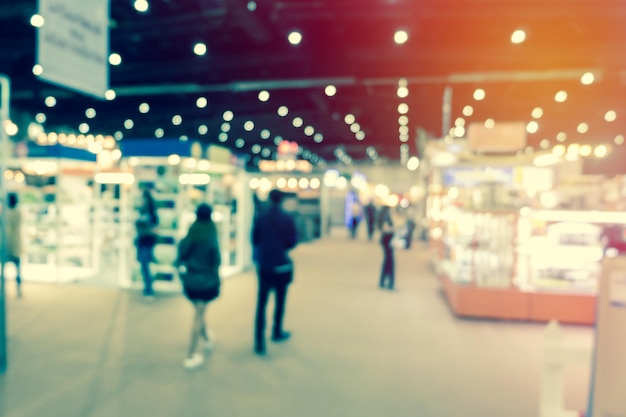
pixel 194 362
pixel 280 337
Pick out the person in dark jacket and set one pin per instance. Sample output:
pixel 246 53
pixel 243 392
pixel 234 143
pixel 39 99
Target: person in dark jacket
pixel 273 235
pixel 387 274
pixel 146 239
pixel 370 218
pixel 14 238
pixel 198 262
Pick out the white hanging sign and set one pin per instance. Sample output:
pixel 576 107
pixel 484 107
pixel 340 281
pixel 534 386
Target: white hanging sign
pixel 73 44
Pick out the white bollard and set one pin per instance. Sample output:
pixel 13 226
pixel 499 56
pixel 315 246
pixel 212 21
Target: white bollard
pixel 555 356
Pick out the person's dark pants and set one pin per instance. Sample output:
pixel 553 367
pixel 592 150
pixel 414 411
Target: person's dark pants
pixel 18 276
pixel 144 256
pixel 268 281
pixel 354 225
pixel 388 269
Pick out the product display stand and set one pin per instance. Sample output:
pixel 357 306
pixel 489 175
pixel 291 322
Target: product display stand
pixel 609 367
pixel 57 204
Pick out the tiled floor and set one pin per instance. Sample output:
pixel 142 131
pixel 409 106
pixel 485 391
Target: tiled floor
pixel 356 351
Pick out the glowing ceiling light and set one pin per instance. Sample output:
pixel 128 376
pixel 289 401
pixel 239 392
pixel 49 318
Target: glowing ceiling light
pixel 90 113
pixel 256 148
pixel 610 116
pixel 400 37
pixel 303 183
pixel 203 129
pixel 459 131
pixel 587 78
pixel 294 37
pixel 544 144
pixel 601 151
pixel 619 139
pixel 479 94
pixel 225 127
pixel 309 130
pixel 490 123
pixel 403 92
pixel 37 20
pixel 360 135
pixel 349 119
pixel 128 124
pixel 83 128
pixel 413 163
pixel 560 96
pixel 537 112
pixel 403 108
pixel 403 130
pixel 532 127
pixel 355 127
pixel 582 128
pixel 50 101
pixel 585 150
pixel 468 110
pixel 265 134
pixel 403 120
pixel 283 111
pixel 264 95
pixel 330 90
pixel 110 95
pixel 141 6
pixel 199 48
pixel 177 120
pixel 315 183
pixel 518 36
pixel 158 133
pixel 144 108
pixel 222 137
pixel 297 122
pixel 252 5
pixel 201 102
pixel 459 121
pixel 266 153
pixel 561 136
pixel 115 59
pixel 10 128
pixel 248 126
pixel 278 140
pixel 228 116
pixel 40 117
pixel 318 137
pixel 559 150
pixel 37 69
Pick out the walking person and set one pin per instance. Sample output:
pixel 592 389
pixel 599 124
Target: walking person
pixel 370 218
pixel 273 236
pixel 146 239
pixel 387 274
pixel 198 261
pixel 14 238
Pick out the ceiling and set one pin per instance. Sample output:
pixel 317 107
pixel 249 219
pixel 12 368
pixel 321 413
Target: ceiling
pixel 460 44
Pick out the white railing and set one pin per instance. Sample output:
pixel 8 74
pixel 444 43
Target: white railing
pixel 558 354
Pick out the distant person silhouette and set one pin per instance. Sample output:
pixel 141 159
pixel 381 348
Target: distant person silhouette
pixel 198 262
pixel 387 273
pixel 273 236
pixel 14 238
pixel 370 218
pixel 146 239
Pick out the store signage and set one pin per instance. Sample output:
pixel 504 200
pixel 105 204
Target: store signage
pixel 285 166
pixel 503 137
pixel 73 44
pixel 470 176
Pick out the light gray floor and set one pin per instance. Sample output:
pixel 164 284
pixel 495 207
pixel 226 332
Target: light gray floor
pixel 356 351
